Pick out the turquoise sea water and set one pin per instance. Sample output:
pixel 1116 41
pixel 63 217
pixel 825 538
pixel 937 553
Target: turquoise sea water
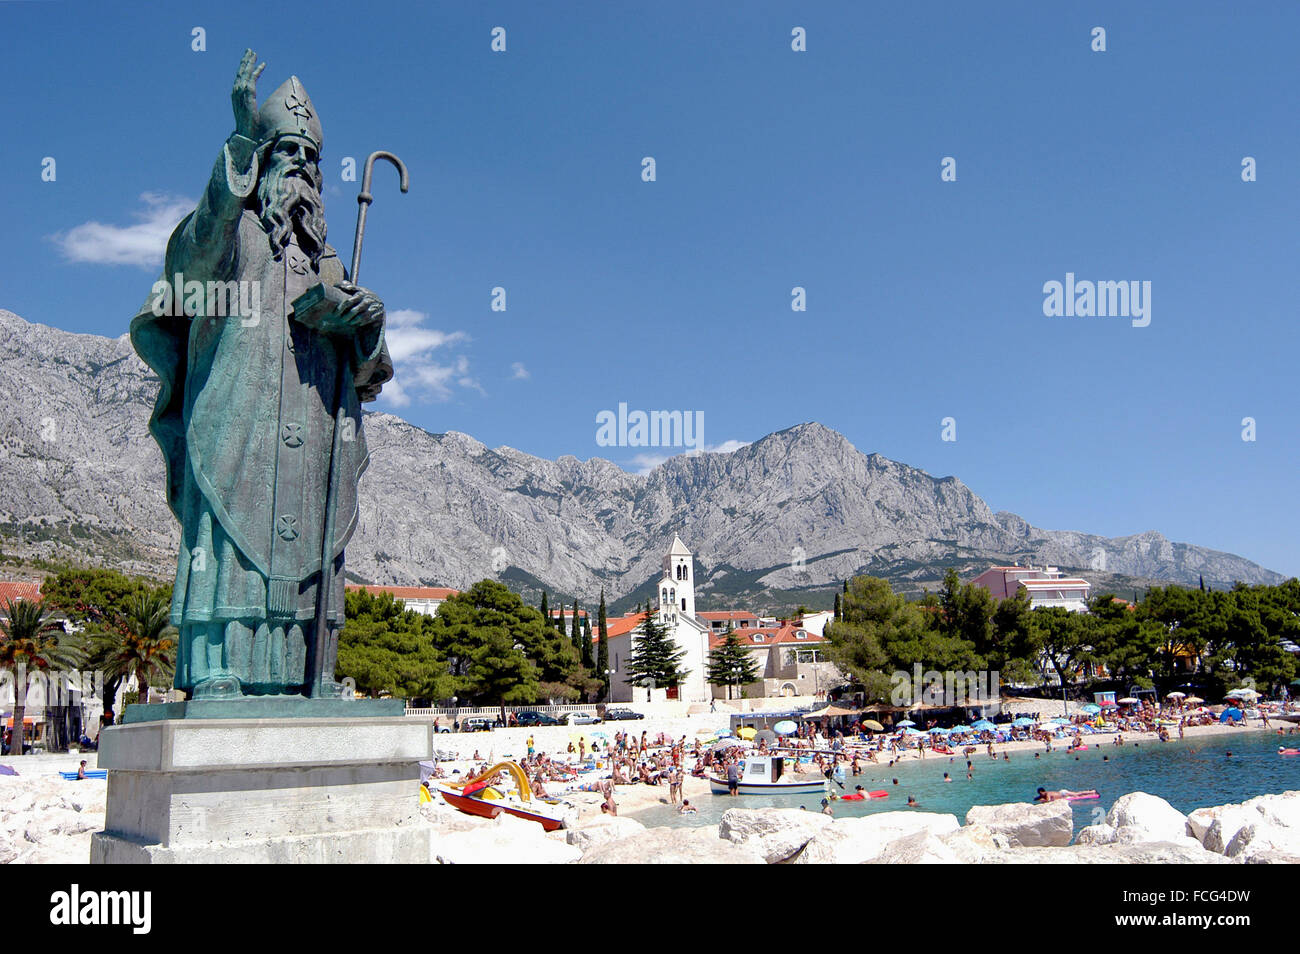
pixel 1189 774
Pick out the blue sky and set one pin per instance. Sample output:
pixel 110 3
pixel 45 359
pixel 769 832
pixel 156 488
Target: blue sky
pixel 774 169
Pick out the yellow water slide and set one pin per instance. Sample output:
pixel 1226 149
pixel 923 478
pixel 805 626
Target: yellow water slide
pixel 521 780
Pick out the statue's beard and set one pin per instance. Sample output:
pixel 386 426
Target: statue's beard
pixel 291 204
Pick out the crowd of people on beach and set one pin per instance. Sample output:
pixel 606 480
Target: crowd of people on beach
pixel 839 750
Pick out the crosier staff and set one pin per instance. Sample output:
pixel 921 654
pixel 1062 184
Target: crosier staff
pixel 314 297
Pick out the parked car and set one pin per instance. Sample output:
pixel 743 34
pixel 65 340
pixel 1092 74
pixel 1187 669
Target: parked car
pixel 621 715
pixel 578 718
pixel 477 724
pixel 535 718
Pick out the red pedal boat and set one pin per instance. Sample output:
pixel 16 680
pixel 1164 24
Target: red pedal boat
pixel 475 797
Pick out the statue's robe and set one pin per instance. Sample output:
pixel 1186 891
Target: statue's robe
pixel 245 418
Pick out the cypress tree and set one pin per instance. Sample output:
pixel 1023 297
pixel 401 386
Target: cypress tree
pixel 727 658
pixel 587 657
pixel 575 632
pixel 602 651
pixel 655 658
pixel 546 609
pixel 837 607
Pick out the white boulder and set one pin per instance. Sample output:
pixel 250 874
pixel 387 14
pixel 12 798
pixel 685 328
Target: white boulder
pixel 673 846
pixel 775 833
pixel 1026 825
pixel 1261 842
pixel 507 840
pixel 1139 817
pixel 608 828
pixel 1225 822
pixel 858 840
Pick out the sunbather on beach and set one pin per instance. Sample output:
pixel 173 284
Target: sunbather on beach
pixel 1045 796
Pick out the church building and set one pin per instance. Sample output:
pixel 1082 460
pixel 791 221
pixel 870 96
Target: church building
pixel 676 611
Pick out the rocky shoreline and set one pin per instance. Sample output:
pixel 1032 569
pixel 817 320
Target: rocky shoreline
pixel 46 820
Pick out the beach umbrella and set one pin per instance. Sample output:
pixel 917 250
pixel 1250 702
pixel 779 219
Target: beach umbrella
pixel 940 731
pixel 1061 720
pixel 1177 695
pixel 1230 713
pixel 785 727
pixel 906 724
pixel 873 725
pixel 1023 721
pixel 765 735
pixel 1194 700
pixel 1128 701
pixel 983 724
pixel 1092 708
pixel 747 732
pixel 911 731
pixel 1243 694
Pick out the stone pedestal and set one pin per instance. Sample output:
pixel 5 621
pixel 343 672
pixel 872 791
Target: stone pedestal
pixel 225 790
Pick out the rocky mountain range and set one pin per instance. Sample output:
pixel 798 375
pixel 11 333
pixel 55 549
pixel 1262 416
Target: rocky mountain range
pixel 783 519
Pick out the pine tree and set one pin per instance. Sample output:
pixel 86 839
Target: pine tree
pixel 602 652
pixel 731 664
pixel 655 658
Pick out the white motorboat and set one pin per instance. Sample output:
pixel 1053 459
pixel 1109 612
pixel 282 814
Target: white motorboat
pixel 766 775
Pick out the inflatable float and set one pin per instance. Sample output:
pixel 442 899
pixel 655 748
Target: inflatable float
pixel 1283 751
pixel 862 796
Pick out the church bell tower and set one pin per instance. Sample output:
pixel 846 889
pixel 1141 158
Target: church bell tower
pixel 677 588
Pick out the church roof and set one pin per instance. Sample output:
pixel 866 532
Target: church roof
pixel 619 625
pixel 678 548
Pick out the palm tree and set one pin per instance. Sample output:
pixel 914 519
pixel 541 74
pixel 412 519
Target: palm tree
pixel 146 649
pixel 32 640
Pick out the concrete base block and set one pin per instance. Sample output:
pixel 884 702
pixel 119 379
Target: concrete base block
pixel 264 791
pixel 378 846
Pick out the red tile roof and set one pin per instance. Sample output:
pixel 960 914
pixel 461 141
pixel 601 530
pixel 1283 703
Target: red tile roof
pixel 746 637
pixel 786 633
pixel 19 590
pixel 727 614
pixel 619 625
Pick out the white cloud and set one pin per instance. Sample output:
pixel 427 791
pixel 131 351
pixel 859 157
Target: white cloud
pixel 520 372
pixel 417 373
pixel 143 243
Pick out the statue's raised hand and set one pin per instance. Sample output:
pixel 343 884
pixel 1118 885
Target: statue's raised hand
pixel 243 96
